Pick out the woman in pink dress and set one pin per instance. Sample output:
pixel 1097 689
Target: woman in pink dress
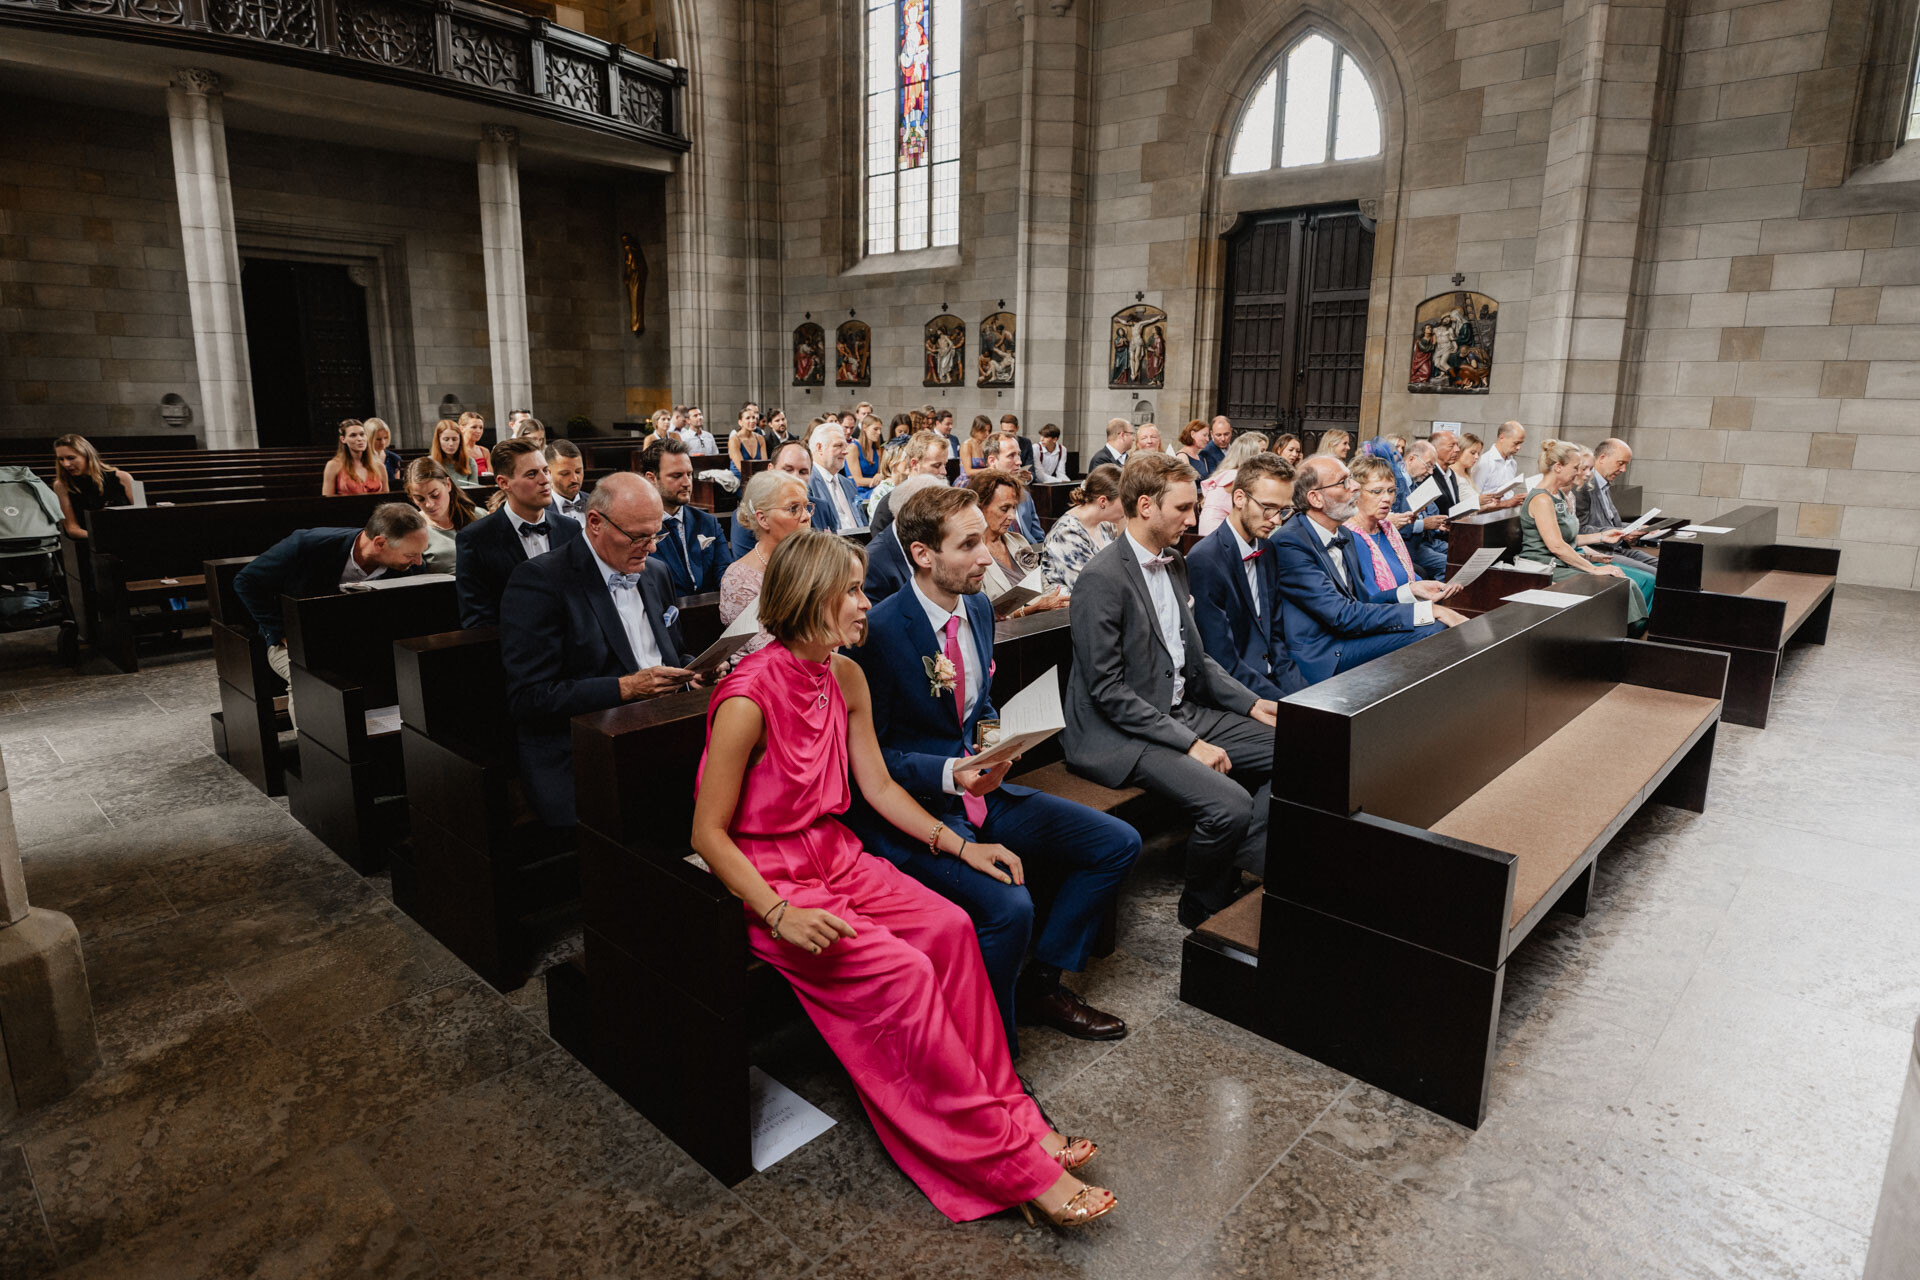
pixel 889 971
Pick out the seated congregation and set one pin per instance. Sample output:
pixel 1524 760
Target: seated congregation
pixel 1239 629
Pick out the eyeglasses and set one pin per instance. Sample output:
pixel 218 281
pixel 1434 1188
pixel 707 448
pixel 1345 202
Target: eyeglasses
pixel 798 510
pixel 1345 482
pixel 646 540
pixel 1270 510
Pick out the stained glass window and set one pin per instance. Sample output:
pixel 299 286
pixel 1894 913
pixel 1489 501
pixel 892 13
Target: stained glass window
pixel 1314 105
pixel 913 124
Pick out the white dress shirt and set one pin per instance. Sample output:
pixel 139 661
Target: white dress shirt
pixel 1493 471
pixel 849 520
pixel 1049 467
pixel 701 442
pixel 633 616
pixel 1166 609
pixel 937 619
pixel 574 508
pixel 352 572
pixel 537 544
pixel 1248 567
pixel 1422 609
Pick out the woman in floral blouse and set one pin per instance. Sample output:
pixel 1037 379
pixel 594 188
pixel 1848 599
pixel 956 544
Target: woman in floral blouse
pixel 1089 526
pixel 773 504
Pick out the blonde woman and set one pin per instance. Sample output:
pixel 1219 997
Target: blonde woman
pixel 1335 444
pixel 380 449
pixel 774 505
pixel 1216 491
pixel 1550 533
pixel 83 482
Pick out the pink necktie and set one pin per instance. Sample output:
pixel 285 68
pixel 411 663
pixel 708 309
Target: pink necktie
pixel 975 806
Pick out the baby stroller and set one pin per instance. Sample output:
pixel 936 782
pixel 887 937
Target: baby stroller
pixel 31 590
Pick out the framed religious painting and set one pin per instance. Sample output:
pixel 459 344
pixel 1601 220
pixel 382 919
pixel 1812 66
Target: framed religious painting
pixel 853 349
pixel 946 352
pixel 997 350
pixel 1453 344
pixel 809 355
pixel 1138 355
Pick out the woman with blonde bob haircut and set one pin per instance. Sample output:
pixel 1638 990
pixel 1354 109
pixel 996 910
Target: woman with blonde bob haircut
pixel 1551 535
pixel 889 971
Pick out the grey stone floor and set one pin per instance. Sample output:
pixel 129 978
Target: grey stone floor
pixel 1698 1079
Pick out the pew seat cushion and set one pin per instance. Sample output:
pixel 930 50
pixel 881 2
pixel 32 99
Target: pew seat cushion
pixel 1239 924
pixel 1058 780
pixel 1555 801
pixel 174 587
pixel 1801 591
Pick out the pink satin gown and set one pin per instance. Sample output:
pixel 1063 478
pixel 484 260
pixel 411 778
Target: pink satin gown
pixel 905 1005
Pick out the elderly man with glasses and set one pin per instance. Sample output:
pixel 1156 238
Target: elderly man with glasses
pixel 1334 617
pixel 586 627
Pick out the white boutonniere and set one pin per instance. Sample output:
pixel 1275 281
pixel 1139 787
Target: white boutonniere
pixel 941 676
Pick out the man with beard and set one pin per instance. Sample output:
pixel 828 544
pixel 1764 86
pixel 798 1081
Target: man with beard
pixel 928 658
pixel 1333 616
pixel 692 544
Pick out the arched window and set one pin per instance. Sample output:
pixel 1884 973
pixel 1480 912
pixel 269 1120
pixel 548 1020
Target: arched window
pixel 913 124
pixel 1314 105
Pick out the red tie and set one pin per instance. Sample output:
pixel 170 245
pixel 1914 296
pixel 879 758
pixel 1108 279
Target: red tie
pixel 975 806
pixel 1252 555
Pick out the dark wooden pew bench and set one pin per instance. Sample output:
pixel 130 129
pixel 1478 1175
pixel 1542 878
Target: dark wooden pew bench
pixel 253 703
pixel 351 783
pixel 1412 850
pixel 1747 595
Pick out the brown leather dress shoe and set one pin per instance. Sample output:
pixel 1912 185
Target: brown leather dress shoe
pixel 1066 1012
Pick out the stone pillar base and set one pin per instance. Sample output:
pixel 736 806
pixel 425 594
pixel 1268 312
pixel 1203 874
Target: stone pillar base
pixel 46 1014
pixel 1894 1253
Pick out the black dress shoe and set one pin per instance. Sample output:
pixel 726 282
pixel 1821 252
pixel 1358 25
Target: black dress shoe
pixel 1194 913
pixel 1065 1011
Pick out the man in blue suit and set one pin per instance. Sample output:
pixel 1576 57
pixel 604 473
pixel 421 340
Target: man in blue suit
pixel 888 569
pixel 1219 436
pixel 489 550
pixel 836 499
pixel 790 458
pixel 1426 533
pixel 692 543
pixel 318 562
pixel 1236 587
pixel 585 627
pixel 926 722
pixel 1334 618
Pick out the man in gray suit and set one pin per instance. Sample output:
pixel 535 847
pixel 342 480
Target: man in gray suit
pixel 1146 707
pixel 1594 503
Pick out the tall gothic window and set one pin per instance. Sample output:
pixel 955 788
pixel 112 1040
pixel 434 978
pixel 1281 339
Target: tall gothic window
pixel 1314 105
pixel 913 124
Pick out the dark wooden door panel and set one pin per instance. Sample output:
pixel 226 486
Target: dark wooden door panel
pixel 307 349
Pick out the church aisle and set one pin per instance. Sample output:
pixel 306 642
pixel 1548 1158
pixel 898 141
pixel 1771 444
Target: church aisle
pixel 1699 1078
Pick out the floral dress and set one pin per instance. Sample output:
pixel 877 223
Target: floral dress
pixel 1068 548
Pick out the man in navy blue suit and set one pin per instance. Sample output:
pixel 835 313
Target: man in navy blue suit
pixel 1334 618
pixel 836 499
pixel 888 569
pixel 318 562
pixel 791 458
pixel 522 527
pixel 692 544
pixel 585 627
pixel 1236 585
pixel 927 725
pixel 1219 436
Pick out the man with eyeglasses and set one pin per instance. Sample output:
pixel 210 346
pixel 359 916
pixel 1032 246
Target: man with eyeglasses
pixel 1334 618
pixel 1236 584
pixel 585 628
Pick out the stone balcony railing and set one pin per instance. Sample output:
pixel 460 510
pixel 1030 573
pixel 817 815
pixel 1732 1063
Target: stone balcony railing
pixel 466 50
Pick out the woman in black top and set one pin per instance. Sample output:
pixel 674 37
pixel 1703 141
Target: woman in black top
pixel 84 483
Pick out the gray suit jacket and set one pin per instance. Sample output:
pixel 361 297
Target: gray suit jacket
pixel 1121 686
pixel 1593 504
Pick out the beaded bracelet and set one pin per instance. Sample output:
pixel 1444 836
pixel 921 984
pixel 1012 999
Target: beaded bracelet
pixel 933 839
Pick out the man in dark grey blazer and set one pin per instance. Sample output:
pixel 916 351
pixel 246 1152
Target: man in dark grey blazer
pixel 1594 502
pixel 1146 707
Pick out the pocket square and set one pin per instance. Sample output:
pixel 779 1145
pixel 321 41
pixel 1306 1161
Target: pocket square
pixel 671 616
pixel 706 540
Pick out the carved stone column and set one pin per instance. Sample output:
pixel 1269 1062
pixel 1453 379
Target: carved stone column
pixel 213 258
pixel 506 269
pixel 47 1043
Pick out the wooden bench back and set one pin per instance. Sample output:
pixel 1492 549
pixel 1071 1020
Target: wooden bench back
pixel 1411 735
pixel 1489 529
pixel 1725 562
pixel 620 455
pixel 154 542
pixel 350 635
pixel 450 686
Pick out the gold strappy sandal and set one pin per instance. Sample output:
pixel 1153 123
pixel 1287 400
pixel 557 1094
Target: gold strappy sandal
pixel 1077 1212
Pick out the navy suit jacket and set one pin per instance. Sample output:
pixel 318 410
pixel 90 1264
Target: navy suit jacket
pixel 918 730
pixel 563 650
pixel 1211 455
pixel 1252 647
pixel 1415 539
pixel 695 564
pixel 307 562
pixel 740 541
pixel 888 569
pixel 825 516
pixel 1317 613
pixel 487 552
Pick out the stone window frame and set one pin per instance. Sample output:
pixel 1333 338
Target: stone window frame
pixel 1890 60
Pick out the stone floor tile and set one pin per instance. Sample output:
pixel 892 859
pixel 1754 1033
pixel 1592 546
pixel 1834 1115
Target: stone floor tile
pixel 186 833
pixel 101 908
pixel 26 1250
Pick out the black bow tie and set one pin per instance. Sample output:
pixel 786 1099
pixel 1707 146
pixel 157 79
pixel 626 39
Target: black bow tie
pixel 1339 540
pixel 534 530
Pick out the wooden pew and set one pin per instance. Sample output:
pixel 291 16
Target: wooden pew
pixel 486 873
pixel 620 454
pixel 1412 848
pixel 1051 501
pixel 342 658
pixel 667 994
pixel 252 712
pixel 1746 595
pixel 132 551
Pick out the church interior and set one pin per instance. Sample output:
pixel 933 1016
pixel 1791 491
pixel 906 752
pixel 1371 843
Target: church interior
pixel 1572 933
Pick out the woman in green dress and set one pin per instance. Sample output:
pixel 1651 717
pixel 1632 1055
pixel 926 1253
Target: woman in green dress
pixel 1550 532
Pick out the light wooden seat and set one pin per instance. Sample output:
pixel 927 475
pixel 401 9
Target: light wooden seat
pixel 1239 924
pixel 1058 780
pixel 1555 801
pixel 184 581
pixel 1802 593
